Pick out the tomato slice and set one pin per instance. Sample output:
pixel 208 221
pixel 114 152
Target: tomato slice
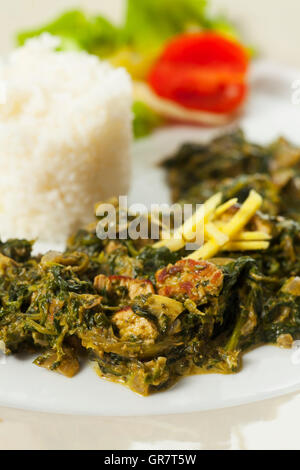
pixel 202 71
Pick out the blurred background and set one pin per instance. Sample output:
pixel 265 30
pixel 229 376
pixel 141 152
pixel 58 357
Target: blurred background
pixel 270 25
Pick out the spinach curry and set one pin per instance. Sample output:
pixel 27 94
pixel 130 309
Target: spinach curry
pixel 148 315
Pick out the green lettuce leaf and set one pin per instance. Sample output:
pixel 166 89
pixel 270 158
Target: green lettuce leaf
pixel 145 120
pixel 78 31
pixel 222 25
pixel 149 23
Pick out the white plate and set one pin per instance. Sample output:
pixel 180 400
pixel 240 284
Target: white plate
pixel 267 371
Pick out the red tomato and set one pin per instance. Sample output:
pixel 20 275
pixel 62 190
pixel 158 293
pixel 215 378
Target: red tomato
pixel 202 71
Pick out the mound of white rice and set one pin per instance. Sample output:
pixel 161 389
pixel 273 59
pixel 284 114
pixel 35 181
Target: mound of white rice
pixel 65 135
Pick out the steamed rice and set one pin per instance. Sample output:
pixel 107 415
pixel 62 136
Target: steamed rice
pixel 65 135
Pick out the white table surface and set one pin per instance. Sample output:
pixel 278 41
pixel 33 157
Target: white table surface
pixel 270 424
pixel 273 26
